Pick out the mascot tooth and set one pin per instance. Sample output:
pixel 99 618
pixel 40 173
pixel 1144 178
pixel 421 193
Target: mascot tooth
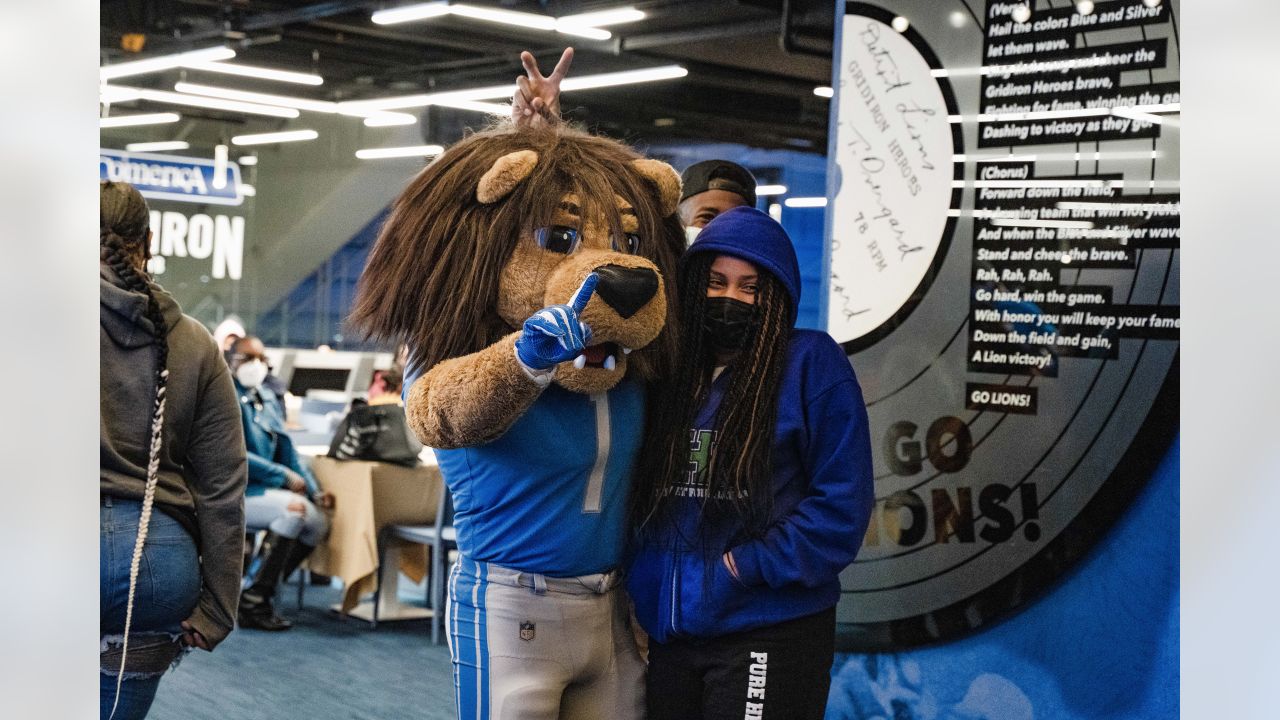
pixel 527 271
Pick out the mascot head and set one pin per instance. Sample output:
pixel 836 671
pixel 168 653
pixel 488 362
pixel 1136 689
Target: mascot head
pixel 508 221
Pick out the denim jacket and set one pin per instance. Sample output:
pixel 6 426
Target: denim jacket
pixel 270 449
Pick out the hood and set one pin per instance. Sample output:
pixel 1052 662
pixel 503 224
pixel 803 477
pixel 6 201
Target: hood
pixel 751 235
pixel 123 312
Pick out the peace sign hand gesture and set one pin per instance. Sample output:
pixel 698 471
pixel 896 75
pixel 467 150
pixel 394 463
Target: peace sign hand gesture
pixel 537 98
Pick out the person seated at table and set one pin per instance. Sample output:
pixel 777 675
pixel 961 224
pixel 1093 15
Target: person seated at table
pixel 282 494
pixel 377 430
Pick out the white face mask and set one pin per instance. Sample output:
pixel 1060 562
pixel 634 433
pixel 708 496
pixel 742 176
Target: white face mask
pixel 251 374
pixel 691 233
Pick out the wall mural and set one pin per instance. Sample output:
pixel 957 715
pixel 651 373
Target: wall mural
pixel 1003 270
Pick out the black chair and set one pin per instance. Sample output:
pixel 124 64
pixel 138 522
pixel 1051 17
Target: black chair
pixel 441 538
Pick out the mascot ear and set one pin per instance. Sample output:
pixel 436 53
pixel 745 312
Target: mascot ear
pixel 665 179
pixel 508 172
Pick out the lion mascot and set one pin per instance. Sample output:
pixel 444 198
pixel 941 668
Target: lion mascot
pixel 527 271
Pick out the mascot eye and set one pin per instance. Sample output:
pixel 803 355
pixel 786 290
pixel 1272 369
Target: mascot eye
pixel 557 238
pixel 628 243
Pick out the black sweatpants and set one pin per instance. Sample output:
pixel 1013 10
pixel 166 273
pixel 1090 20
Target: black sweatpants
pixel 780 672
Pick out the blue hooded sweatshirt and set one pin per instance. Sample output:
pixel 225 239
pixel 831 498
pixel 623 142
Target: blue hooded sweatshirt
pixel 822 483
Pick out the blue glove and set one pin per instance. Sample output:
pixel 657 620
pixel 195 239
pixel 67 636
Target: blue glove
pixel 555 334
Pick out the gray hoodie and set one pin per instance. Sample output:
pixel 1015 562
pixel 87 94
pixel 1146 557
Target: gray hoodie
pixel 202 458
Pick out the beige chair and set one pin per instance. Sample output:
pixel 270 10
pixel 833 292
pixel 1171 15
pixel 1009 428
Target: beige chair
pixel 440 537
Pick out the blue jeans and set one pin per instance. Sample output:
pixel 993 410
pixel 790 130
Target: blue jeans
pixel 167 588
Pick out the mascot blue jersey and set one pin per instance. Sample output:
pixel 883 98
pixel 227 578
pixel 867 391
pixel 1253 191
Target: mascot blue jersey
pixel 550 495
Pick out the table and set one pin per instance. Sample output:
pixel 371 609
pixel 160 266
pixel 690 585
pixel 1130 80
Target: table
pixel 367 497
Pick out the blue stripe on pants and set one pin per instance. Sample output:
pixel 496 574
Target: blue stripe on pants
pixel 451 632
pixel 468 632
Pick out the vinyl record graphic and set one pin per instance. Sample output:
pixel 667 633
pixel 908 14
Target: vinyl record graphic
pixel 1020 366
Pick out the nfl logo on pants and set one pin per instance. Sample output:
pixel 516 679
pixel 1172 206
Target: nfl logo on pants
pixel 527 631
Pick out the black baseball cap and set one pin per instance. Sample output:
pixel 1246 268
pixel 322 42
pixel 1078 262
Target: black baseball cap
pixel 718 175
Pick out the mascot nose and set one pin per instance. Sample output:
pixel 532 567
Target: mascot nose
pixel 625 289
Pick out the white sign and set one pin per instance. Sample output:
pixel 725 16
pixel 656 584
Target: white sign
pixel 218 238
pixel 894 156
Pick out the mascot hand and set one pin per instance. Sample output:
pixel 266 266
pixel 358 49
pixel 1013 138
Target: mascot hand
pixel 555 334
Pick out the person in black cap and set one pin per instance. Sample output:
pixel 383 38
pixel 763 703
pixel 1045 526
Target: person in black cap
pixel 710 187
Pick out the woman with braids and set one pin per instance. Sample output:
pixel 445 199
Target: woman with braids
pixel 172 471
pixel 755 489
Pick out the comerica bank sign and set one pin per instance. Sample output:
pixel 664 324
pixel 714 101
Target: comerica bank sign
pixel 213 242
pixel 166 177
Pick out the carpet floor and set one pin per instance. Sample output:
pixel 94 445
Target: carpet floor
pixel 325 668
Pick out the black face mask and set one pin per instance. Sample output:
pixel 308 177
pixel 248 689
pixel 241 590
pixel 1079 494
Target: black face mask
pixel 727 323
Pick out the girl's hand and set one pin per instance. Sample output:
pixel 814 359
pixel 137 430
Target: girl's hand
pixel 191 637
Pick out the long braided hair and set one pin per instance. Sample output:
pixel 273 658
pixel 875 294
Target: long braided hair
pixel 740 465
pixel 123 219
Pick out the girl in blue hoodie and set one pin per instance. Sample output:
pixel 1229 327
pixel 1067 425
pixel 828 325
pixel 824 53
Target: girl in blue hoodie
pixel 755 489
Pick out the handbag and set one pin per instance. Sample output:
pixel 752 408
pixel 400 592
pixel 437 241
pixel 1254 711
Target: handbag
pixel 377 433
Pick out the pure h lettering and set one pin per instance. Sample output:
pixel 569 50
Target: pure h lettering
pixel 757 674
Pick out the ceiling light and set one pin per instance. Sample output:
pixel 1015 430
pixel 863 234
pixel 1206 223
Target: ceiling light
pixel 260 98
pixel 410 13
pixel 1132 114
pixel 615 16
pixel 257 72
pixel 157 146
pixel 387 119
pixel 275 137
pixel 805 202
pixel 591 33
pixel 901 24
pixel 824 91
pixel 1021 13
pixel 763 190
pixel 957 19
pixel 373 118
pixel 476 106
pixel 492 92
pixel 247 160
pixel 1151 3
pixel 144 119
pixel 164 62
pixel 775 211
pixel 505 17
pixel 399 152
pixel 625 77
pixel 1084 7
pixel 163 96
pixel 108 94
pixel 219 166
pixel 583 24
pixel 248 190
pixel 115 93
pixel 1018 222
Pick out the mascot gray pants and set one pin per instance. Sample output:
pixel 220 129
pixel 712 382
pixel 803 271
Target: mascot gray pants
pixel 529 647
